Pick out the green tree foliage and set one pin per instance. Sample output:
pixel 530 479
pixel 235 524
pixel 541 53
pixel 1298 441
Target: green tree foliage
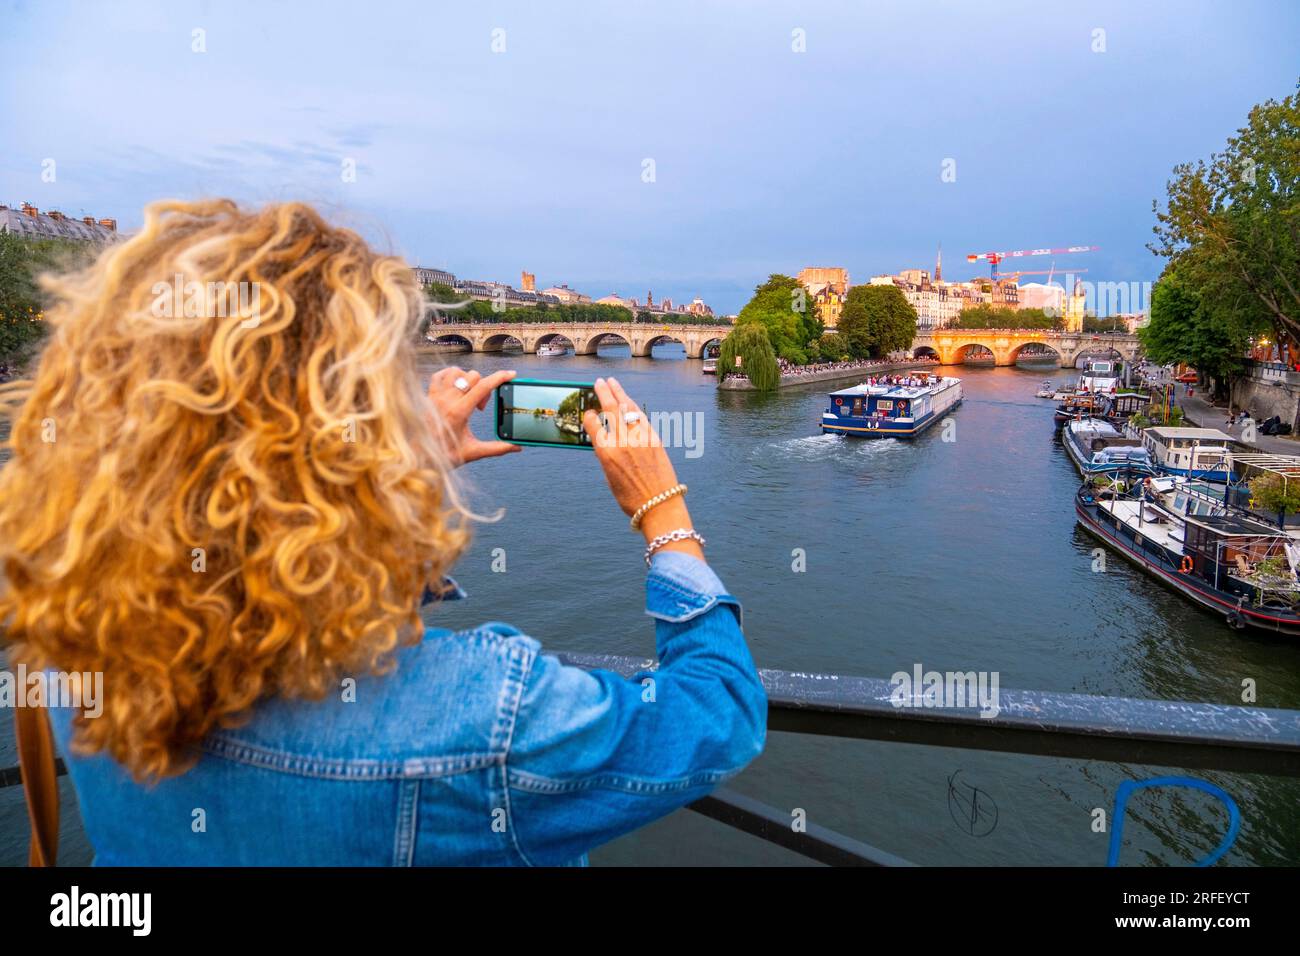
pixel 1231 226
pixel 1092 323
pixel 1187 329
pixel 834 347
pixel 21 301
pixel 787 313
pixel 986 316
pixel 876 320
pixel 1273 494
pixel 749 341
pixel 441 292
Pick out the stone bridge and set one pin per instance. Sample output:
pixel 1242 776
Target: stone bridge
pixel 582 337
pixel 953 346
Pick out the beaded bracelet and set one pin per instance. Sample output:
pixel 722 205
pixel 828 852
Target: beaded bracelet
pixel 681 534
pixel 656 500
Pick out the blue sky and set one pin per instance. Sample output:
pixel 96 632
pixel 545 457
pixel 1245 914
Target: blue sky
pixel 765 159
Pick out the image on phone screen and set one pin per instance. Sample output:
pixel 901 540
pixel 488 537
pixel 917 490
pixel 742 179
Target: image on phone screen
pixel 544 413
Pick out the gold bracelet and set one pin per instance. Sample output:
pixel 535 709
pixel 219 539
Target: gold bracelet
pixel 658 499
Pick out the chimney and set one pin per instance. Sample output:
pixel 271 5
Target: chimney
pixel 31 210
pixel 529 281
pixel 88 220
pixel 109 224
pixel 56 215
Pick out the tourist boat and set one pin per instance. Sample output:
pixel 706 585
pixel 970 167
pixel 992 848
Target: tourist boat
pixel 891 411
pixel 1224 560
pixel 710 366
pixel 551 349
pixel 1204 453
pixel 1098 447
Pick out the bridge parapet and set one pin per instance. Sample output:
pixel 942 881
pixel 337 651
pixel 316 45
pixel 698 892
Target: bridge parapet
pixel 952 345
pixel 584 336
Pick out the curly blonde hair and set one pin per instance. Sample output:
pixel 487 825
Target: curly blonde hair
pixel 214 505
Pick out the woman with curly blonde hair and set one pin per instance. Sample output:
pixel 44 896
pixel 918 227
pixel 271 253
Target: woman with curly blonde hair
pixel 229 495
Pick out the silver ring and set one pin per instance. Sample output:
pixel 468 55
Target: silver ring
pixel 631 418
pixel 461 383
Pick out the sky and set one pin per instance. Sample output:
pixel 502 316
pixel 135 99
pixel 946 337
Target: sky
pixel 684 148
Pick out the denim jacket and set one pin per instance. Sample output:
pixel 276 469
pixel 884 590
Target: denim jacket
pixel 478 749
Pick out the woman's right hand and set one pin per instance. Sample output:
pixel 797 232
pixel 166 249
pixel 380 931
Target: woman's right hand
pixel 636 465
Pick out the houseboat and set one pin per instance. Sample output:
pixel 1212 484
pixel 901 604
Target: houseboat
pixel 1099 376
pixel 1222 559
pixel 1097 447
pixel 886 410
pixel 1079 405
pixel 1204 453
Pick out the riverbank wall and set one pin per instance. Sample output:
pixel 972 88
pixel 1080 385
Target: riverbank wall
pixel 827 375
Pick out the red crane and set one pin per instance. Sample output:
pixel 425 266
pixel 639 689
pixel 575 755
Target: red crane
pixel 995 257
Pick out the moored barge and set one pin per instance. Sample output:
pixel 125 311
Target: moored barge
pixel 1224 560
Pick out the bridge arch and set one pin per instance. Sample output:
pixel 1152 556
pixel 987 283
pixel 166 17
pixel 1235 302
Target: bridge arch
pixel 500 341
pixel 974 352
pixel 1040 351
pixel 553 338
pixel 925 351
pixel 1098 350
pixel 605 338
pixel 453 338
pixel 705 347
pixel 666 338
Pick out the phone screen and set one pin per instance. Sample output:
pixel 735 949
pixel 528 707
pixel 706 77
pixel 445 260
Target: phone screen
pixel 533 412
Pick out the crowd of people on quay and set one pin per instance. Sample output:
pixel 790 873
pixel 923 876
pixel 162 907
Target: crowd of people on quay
pixel 789 370
pixel 907 381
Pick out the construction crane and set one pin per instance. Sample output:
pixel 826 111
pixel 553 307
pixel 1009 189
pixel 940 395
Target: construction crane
pixel 1015 276
pixel 995 257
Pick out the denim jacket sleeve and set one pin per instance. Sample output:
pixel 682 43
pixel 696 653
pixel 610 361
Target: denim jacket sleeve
pixel 595 755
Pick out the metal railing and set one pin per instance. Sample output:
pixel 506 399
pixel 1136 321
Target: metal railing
pixel 1115 729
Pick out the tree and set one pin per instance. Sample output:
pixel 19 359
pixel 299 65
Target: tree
pixel 877 320
pixel 1232 225
pixel 1273 493
pixel 985 316
pixel 834 347
pixel 441 293
pixel 750 343
pixel 1184 329
pixel 785 310
pixel 21 300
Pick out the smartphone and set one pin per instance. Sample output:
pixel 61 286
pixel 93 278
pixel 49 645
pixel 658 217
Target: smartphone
pixel 537 412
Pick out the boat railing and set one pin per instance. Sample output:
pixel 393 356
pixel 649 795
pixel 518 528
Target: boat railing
pixel 1066 726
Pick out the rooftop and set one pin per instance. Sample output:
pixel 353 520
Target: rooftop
pixel 1202 434
pixel 30 223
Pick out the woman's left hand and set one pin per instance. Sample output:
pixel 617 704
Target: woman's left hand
pixel 455 406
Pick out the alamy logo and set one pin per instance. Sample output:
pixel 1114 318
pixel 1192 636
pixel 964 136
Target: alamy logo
pixel 207 300
pixel 82 690
pixel 74 908
pixel 959 689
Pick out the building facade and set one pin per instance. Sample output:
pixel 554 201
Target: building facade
pixel 567 296
pixel 433 276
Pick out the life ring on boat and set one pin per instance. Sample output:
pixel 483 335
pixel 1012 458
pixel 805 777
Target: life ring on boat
pixel 1186 564
pixel 902 406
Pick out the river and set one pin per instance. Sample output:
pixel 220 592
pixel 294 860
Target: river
pixel 954 555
